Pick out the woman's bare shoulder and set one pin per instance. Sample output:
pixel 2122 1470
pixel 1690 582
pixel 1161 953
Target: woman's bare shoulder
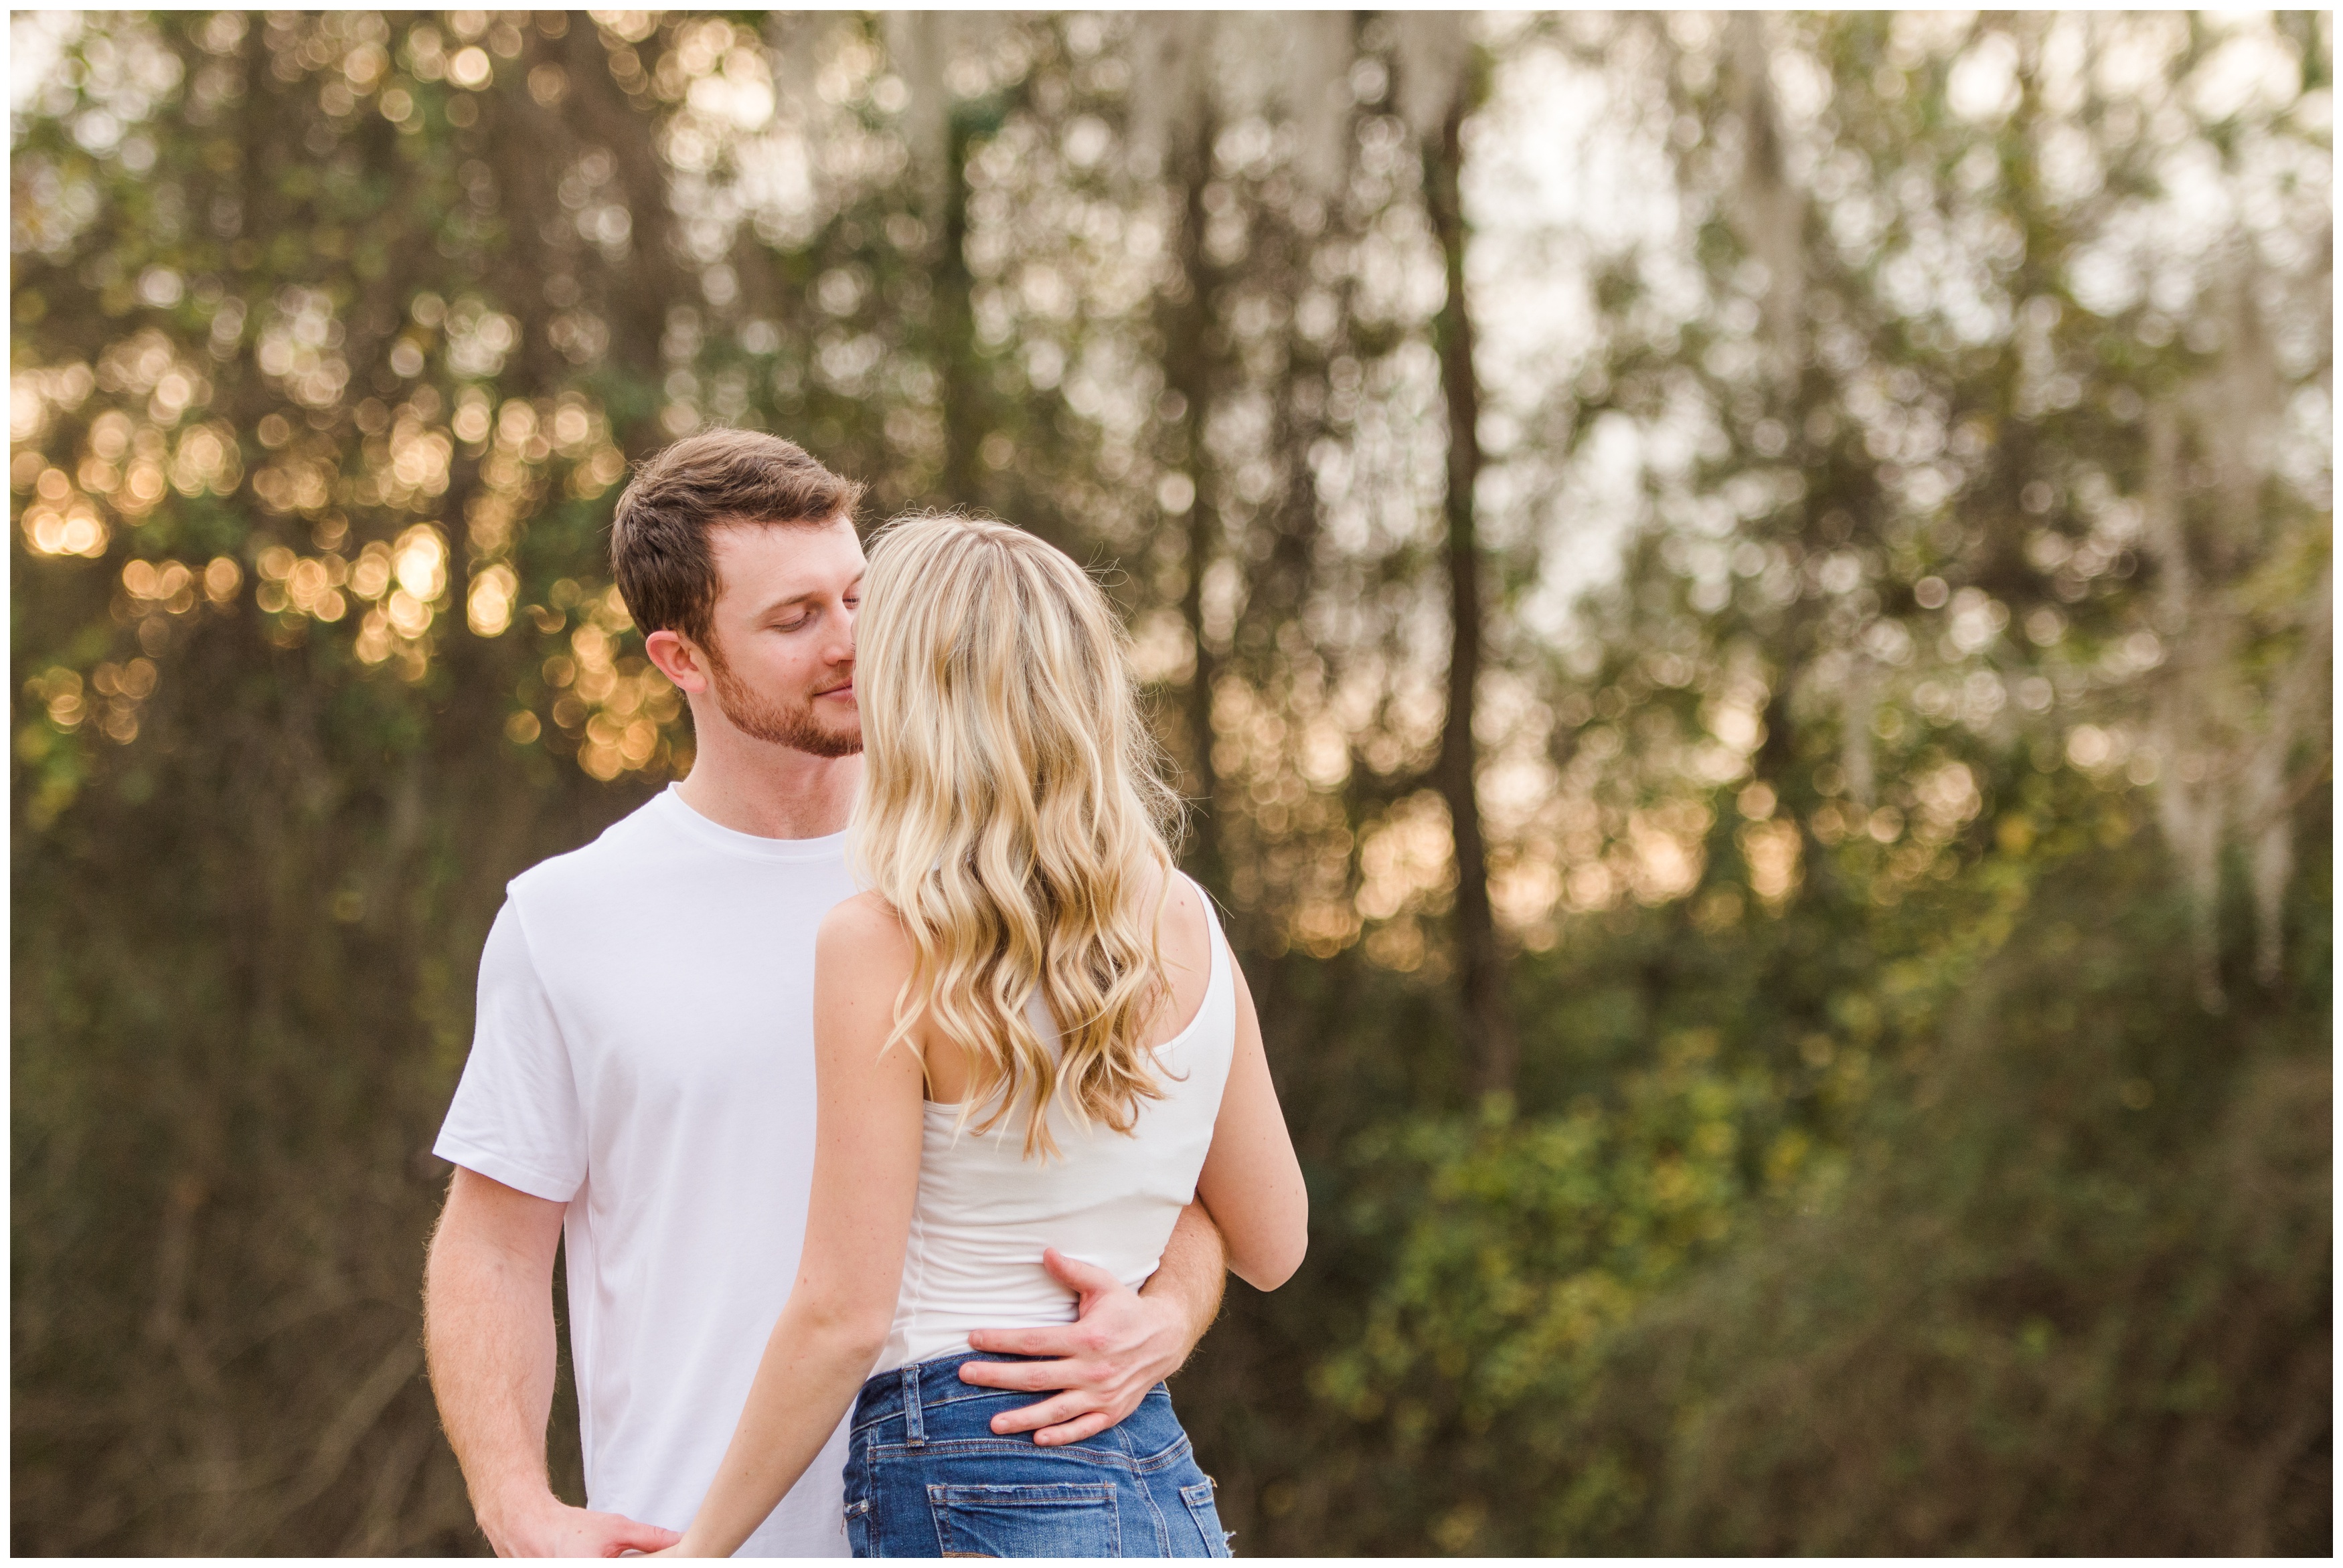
pixel 1184 936
pixel 863 927
pixel 1184 904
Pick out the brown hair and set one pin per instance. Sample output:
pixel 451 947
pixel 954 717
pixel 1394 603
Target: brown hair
pixel 659 539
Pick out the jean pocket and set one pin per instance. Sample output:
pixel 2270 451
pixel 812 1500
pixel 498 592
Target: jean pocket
pixel 857 1528
pixel 1207 1515
pixel 1062 1520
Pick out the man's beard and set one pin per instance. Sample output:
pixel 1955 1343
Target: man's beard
pixel 772 722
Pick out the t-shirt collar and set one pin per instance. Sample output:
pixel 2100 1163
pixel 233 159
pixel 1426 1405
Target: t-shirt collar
pixel 677 812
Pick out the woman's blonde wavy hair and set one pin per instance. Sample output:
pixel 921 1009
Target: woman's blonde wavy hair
pixel 1014 812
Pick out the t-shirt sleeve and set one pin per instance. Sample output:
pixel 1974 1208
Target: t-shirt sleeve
pixel 516 1117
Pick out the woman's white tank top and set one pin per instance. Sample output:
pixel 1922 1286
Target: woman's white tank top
pixel 985 1211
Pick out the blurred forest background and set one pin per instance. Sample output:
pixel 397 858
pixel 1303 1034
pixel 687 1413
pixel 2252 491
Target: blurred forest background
pixel 1745 602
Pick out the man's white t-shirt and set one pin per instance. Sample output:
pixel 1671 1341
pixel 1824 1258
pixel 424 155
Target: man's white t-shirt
pixel 644 1053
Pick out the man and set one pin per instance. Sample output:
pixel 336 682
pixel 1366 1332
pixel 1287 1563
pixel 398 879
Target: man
pixel 642 1075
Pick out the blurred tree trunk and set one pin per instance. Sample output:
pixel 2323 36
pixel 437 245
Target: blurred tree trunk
pixel 650 279
pixel 956 320
pixel 1488 1013
pixel 1188 370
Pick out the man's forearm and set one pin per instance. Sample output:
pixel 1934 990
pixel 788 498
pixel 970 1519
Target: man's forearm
pixel 1193 1272
pixel 490 1337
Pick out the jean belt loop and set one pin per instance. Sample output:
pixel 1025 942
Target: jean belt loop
pixel 915 1432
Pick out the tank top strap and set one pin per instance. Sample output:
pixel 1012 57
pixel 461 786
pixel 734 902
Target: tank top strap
pixel 1220 988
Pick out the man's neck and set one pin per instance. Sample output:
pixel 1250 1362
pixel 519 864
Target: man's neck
pixel 772 791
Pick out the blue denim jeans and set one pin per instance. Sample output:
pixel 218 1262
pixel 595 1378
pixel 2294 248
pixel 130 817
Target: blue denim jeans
pixel 925 1476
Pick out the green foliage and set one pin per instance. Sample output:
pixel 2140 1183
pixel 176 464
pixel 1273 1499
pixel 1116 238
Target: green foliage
pixel 2006 1272
pixel 2078 1261
pixel 1523 1243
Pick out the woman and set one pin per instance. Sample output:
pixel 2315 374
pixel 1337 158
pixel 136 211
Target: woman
pixel 1028 1031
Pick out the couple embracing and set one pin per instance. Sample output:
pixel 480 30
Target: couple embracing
pixel 899 1105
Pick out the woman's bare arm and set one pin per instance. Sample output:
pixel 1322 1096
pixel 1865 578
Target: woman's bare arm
pixel 1252 1182
pixel 866 1178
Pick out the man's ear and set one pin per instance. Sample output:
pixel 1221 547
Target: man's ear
pixel 680 659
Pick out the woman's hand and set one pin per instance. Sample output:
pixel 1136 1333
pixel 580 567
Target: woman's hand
pixel 688 1545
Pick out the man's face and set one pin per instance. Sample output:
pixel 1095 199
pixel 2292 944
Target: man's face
pixel 781 636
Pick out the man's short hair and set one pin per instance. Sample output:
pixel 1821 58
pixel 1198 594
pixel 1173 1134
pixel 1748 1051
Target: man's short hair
pixel 659 540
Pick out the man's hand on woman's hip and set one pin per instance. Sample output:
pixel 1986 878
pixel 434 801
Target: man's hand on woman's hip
pixel 1122 1343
